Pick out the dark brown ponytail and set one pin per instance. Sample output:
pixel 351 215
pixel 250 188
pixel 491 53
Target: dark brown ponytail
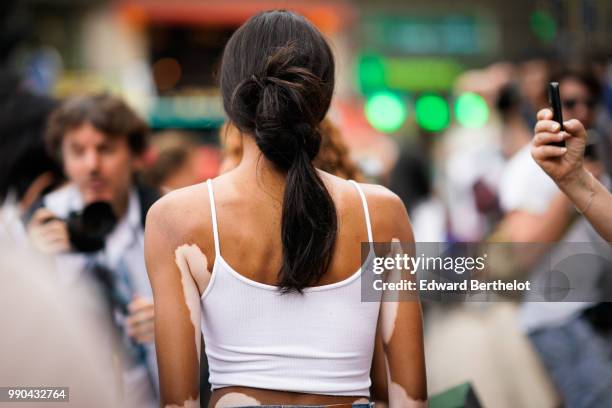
pixel 277 80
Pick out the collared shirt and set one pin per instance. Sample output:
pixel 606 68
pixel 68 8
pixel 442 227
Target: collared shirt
pixel 124 255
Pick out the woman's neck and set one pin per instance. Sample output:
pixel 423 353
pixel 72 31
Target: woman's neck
pixel 257 171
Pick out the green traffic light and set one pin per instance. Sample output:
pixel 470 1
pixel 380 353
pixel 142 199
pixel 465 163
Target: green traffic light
pixel 432 113
pixel 386 111
pixel 471 110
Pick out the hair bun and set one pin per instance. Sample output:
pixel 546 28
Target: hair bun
pixel 288 110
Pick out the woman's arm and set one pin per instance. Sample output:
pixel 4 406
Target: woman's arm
pixel 378 391
pixel 565 165
pixel 593 199
pixel 401 328
pixel 177 308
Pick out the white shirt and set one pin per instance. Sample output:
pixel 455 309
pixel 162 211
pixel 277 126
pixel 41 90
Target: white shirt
pixel 526 187
pixel 124 244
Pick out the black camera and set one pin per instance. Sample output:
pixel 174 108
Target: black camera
pixel 89 227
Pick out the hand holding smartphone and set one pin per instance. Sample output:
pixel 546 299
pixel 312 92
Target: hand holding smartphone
pixel 555 103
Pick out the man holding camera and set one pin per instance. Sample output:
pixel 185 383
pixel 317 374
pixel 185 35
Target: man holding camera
pixel 95 224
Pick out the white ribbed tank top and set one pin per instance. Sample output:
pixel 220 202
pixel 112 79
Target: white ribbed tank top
pixel 320 342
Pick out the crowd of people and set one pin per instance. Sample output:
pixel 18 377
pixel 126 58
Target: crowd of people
pixel 79 176
pixel 505 183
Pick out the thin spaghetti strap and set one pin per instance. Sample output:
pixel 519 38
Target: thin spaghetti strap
pixel 366 212
pixel 213 213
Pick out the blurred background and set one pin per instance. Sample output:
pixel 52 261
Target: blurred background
pixel 407 71
pixel 415 79
pixel 433 99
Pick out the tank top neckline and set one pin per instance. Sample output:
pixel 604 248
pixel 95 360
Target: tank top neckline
pixel 221 261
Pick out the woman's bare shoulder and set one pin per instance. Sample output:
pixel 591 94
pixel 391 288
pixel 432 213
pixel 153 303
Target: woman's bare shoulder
pixel 381 198
pixel 378 192
pixel 381 201
pixel 375 192
pixel 182 211
pixel 387 212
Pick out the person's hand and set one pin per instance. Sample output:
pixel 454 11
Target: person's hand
pixel 561 163
pixel 140 322
pixel 48 233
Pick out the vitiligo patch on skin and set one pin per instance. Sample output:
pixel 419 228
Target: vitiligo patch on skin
pixel 190 403
pixel 388 316
pixel 362 400
pixel 193 265
pixel 197 264
pixel 236 399
pixel 389 308
pixel 398 397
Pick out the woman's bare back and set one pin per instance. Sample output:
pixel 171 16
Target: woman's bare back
pixel 249 219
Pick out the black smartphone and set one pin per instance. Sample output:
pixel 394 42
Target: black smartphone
pixel 555 103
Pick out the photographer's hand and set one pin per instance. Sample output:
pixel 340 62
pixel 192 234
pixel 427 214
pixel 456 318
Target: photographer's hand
pixel 48 233
pixel 140 322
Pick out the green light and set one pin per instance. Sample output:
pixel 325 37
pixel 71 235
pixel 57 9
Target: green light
pixel 385 111
pixel 371 73
pixel 471 110
pixel 543 25
pixel 432 112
